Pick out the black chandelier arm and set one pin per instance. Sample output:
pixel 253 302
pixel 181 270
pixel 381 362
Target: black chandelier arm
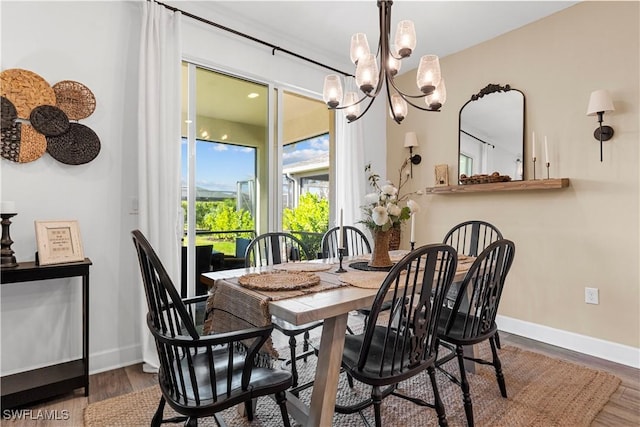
pixel 344 107
pixel 415 105
pixel 365 110
pixel 405 95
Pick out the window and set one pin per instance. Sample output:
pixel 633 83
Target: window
pixel 240 137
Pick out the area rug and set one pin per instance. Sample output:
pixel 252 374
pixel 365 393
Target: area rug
pixel 542 391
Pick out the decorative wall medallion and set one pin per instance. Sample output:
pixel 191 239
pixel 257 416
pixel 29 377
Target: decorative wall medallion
pixel 77 146
pixel 22 143
pixel 35 119
pixel 49 120
pixel 8 113
pixel 10 142
pixel 75 99
pixel 26 90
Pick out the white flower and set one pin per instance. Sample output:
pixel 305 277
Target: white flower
pixel 389 190
pixel 393 209
pixel 379 215
pixel 371 198
pixel 414 207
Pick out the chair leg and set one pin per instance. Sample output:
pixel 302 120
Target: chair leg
pixel 305 345
pixel 376 397
pixel 498 367
pixel 281 398
pixel 464 384
pixel 497 338
pixel 248 407
pixel 156 421
pixel 442 417
pixel 294 369
pixel 191 422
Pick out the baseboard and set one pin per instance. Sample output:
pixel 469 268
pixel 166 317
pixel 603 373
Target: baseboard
pixel 114 359
pixel 614 352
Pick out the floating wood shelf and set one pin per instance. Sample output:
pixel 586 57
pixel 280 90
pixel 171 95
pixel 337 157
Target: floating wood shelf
pixel 537 184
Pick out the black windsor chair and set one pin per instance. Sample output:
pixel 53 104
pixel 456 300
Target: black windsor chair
pixel 472 318
pixel 276 248
pixel 200 376
pixel 470 238
pixel 355 242
pixel 402 342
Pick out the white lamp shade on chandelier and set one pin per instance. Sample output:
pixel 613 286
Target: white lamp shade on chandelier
pixel 375 71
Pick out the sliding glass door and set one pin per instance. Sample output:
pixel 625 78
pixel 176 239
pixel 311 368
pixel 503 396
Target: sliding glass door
pixel 255 158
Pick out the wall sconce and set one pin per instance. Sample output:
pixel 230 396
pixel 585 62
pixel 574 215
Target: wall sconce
pixel 599 103
pixel 410 141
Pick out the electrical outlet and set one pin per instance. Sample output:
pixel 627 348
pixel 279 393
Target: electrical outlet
pixel 591 296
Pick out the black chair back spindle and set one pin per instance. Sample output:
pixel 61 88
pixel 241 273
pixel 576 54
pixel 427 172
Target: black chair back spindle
pixel 355 242
pixel 472 237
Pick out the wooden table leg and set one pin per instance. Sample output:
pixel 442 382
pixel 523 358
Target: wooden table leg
pixel 325 386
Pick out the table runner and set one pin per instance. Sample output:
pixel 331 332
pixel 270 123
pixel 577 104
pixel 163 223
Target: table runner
pixel 231 307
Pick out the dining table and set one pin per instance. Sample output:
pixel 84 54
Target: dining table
pixel 339 293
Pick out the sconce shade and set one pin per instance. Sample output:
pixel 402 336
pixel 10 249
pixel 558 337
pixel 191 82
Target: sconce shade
pixel 600 101
pixel 410 140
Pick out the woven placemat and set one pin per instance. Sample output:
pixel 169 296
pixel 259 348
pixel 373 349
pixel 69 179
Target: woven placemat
pixel 26 90
pixel 279 280
pixel 75 99
pixel 8 113
pixel 77 146
pixel 49 120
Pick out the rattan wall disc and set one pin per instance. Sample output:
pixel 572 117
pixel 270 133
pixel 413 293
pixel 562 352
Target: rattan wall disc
pixel 10 142
pixel 8 113
pixel 49 120
pixel 75 99
pixel 22 143
pixel 77 146
pixel 26 90
pixel 279 280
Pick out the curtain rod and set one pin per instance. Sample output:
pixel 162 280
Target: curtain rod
pixel 475 137
pixel 246 36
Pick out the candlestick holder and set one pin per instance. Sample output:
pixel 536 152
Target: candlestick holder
pixel 548 164
pixel 340 257
pixel 534 168
pixel 413 245
pixel 7 259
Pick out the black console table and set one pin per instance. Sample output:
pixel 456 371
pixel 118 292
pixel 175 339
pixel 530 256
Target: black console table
pixel 38 384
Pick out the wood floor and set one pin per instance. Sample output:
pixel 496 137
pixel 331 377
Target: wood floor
pixel 623 408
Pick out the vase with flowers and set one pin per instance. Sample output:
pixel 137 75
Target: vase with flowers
pixel 383 211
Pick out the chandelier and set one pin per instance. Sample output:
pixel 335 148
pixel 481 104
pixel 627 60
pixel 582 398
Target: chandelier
pixel 375 71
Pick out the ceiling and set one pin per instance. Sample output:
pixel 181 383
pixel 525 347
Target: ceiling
pixel 321 30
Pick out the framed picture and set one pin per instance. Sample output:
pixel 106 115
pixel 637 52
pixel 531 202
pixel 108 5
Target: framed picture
pixel 58 242
pixel 442 175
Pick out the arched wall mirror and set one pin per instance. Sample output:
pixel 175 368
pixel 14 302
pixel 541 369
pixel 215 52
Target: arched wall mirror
pixel 491 133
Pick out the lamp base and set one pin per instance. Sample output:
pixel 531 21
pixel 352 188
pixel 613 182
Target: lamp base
pixel 605 134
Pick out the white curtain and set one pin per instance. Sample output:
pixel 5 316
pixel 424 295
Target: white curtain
pixel 159 147
pixel 350 175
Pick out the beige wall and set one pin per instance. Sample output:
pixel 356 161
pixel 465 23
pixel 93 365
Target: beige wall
pixel 586 235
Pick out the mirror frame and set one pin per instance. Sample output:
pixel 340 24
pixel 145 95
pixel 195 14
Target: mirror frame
pixel 489 89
